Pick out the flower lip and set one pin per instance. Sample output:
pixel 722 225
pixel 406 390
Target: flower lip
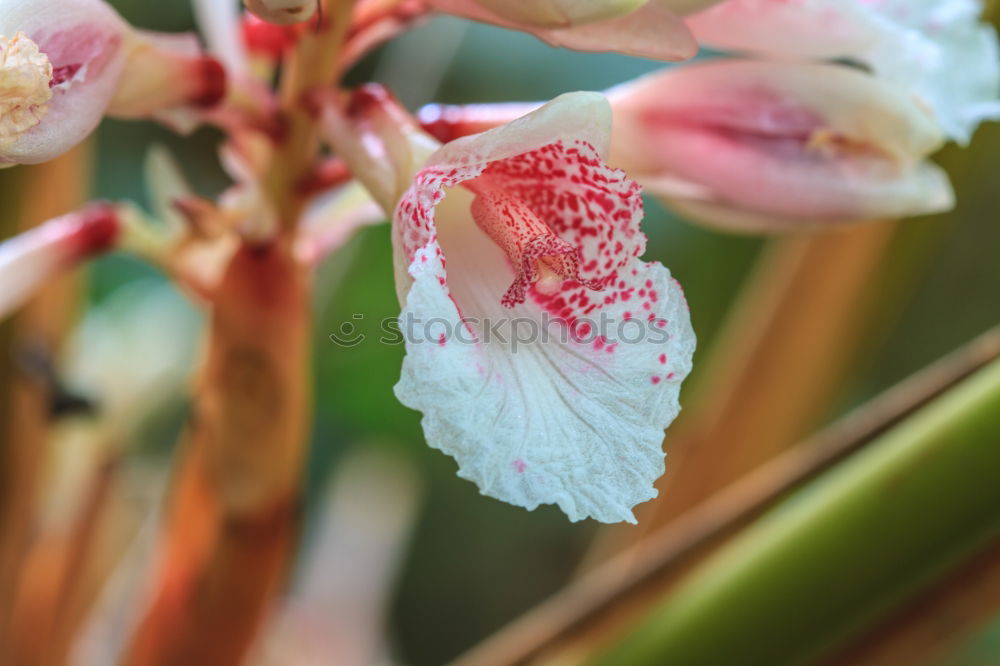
pixel 557 212
pixel 574 415
pixel 540 258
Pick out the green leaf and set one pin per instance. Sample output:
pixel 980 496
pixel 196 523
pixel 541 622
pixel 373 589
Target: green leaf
pixel 855 543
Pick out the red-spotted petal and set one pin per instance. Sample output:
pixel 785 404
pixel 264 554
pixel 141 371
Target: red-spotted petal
pixel 559 397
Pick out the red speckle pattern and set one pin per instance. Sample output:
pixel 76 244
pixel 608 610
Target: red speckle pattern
pixel 558 204
pixel 529 243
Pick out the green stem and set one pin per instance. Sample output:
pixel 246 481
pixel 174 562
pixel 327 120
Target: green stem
pixel 857 542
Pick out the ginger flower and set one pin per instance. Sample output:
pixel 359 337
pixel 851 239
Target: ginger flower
pixel 754 145
pixel 546 357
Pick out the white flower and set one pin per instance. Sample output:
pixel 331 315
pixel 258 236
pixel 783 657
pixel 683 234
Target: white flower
pixel 545 356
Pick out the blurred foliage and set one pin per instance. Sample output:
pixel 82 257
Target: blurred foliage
pixel 477 563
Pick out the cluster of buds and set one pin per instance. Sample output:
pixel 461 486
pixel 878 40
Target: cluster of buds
pixel 823 113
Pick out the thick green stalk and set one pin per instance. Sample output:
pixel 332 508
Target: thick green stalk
pixel 855 543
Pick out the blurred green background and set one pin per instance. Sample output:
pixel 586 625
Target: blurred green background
pixel 476 563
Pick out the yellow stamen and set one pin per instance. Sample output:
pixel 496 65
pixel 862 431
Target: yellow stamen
pixel 25 73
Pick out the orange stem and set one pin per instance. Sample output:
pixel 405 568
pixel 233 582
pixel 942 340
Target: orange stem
pixel 235 509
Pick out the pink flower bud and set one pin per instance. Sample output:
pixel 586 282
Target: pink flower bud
pixel 28 261
pixel 165 74
pixel 64 64
pixel 754 145
pixel 74 48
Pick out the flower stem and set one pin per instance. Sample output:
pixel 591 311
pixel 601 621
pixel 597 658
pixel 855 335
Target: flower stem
pixel 313 65
pixel 235 508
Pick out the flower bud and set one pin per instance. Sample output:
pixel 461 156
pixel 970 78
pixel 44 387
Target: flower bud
pixel 267 39
pixel 29 260
pixel 72 47
pixel 379 139
pixel 754 145
pixel 282 12
pixel 65 63
pixel 165 75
